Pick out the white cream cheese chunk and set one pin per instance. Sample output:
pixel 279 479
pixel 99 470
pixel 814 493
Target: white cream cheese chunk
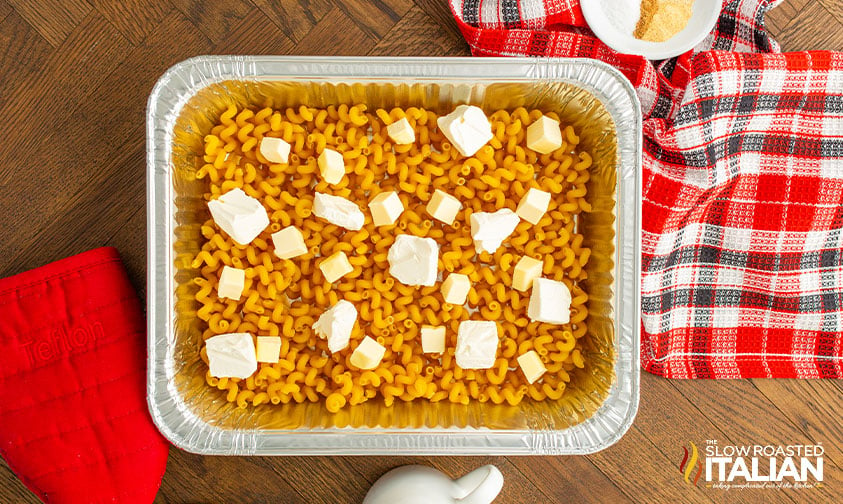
pixel 477 344
pixel 338 211
pixel 231 355
pixel 336 324
pixel 467 128
pixel 489 230
pixel 240 215
pixel 414 260
pixel 550 302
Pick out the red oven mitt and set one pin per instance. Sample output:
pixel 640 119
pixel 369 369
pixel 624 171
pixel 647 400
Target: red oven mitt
pixel 74 424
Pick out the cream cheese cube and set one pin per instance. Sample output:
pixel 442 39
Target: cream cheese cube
pixel 274 150
pixel 467 128
pixel 533 205
pixel 338 211
pixel 335 266
pixel 532 366
pixel 269 349
pixel 455 288
pixel 231 355
pixel 401 132
pixel 443 207
pixel 240 215
pixel 433 339
pixel 368 354
pixel 550 302
pixel 386 207
pixel 489 230
pixel 544 135
pixel 477 344
pixel 414 260
pixel 331 166
pixel 289 243
pixel 336 324
pixel 526 270
pixel 232 281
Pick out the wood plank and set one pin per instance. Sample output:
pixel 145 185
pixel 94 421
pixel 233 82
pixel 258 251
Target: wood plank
pixel 5 9
pixel 295 17
pixel 375 17
pixel 671 421
pixel 643 472
pixel 256 34
pixel 12 489
pixel 214 18
pixel 517 488
pixel 335 35
pixel 53 19
pixel 440 12
pixel 834 7
pixel 748 418
pixel 310 475
pixel 130 240
pixel 86 144
pixel 801 34
pixel 568 479
pixel 404 38
pixel 23 52
pixel 778 18
pixel 134 19
pixel 811 405
pixel 96 47
pixel 224 479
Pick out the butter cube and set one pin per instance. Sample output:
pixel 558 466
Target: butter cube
pixel 289 243
pixel 269 349
pixel 386 207
pixel 532 366
pixel 550 302
pixel 331 166
pixel 526 270
pixel 544 136
pixel 455 288
pixel 401 132
pixel 533 205
pixel 232 281
pixel 443 207
pixel 335 266
pixel 368 354
pixel 274 150
pixel 433 339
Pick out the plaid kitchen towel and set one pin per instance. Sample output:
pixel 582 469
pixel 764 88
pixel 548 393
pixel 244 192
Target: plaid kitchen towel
pixel 742 267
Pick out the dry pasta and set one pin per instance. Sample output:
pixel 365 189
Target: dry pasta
pixel 285 297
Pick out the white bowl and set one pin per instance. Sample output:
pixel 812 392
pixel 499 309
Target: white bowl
pixel 703 18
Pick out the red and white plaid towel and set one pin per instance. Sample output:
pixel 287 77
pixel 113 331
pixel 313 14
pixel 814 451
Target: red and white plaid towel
pixel 742 268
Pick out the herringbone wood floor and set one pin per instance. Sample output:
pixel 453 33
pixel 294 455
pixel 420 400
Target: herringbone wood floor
pixel 74 78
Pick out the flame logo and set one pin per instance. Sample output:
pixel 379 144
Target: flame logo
pixel 686 467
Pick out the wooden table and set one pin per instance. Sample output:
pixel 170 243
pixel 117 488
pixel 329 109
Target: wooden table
pixel 74 79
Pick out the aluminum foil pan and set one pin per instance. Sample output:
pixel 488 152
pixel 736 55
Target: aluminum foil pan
pixel 601 400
